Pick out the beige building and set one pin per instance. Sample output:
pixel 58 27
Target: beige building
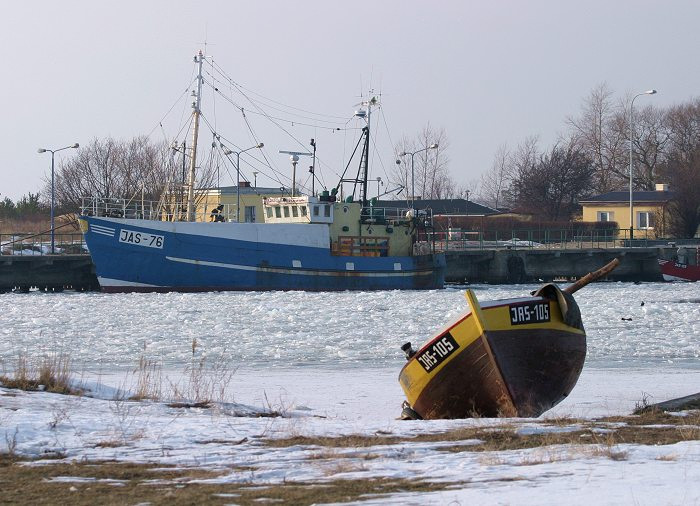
pixel 650 209
pixel 220 204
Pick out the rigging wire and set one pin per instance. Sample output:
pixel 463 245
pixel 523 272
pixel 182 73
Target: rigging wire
pixel 275 101
pixel 179 97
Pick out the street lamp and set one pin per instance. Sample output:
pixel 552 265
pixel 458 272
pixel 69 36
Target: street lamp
pixel 379 182
pixel 53 152
pixel 648 92
pixel 238 175
pixel 413 176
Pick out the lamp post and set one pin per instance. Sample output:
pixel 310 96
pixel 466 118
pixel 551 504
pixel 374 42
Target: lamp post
pixel 413 175
pixel 648 92
pixel 53 152
pixel 238 176
pixel 255 179
pixel 379 182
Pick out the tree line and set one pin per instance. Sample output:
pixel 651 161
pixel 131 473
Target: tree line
pixel 592 157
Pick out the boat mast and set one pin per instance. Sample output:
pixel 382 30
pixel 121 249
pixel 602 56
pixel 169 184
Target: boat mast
pixel 365 151
pixel 195 134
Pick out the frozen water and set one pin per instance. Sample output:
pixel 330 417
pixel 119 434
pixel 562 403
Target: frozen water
pixel 109 332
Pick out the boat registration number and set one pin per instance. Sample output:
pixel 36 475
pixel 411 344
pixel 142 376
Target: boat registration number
pixel 436 353
pixel 141 238
pixel 532 312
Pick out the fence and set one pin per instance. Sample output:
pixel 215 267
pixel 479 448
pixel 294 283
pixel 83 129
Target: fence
pixel 459 240
pixel 40 244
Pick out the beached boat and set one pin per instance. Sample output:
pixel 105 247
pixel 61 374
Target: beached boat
pixel 316 242
pixel 515 357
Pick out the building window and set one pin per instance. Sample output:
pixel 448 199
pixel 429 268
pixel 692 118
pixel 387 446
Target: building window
pixel 295 211
pixel 278 212
pixel 269 212
pixel 303 210
pixel 645 219
pixel 327 211
pixel 315 210
pixel 605 216
pixel 250 214
pixel 286 211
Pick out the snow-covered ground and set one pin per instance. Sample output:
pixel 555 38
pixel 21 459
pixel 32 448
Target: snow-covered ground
pixel 329 363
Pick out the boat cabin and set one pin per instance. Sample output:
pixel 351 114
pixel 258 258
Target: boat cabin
pixel 354 231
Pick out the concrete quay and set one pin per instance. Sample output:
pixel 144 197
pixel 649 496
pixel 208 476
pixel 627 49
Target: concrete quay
pixel 506 266
pixel 53 273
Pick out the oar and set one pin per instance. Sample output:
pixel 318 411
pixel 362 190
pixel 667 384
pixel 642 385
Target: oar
pixel 591 276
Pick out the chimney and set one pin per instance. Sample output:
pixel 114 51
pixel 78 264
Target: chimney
pixel 246 184
pixel 661 187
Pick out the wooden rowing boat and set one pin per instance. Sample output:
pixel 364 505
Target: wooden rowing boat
pixel 515 357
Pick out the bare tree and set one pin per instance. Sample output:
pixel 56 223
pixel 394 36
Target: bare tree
pixel 681 168
pixel 120 169
pixel 551 185
pixel 599 131
pixel 494 183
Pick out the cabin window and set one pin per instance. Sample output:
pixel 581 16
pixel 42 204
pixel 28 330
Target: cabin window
pixel 327 211
pixel 278 212
pixel 250 214
pixel 315 210
pixel 269 212
pixel 645 219
pixel 286 211
pixel 303 210
pixel 295 211
pixel 605 216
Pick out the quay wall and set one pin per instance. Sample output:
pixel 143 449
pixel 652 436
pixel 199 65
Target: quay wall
pixel 504 266
pixel 47 273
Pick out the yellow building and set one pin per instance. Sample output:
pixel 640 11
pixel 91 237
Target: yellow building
pixel 220 204
pixel 650 209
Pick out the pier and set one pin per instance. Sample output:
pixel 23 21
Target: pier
pixel 505 266
pixel 53 273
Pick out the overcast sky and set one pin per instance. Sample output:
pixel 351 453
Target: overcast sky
pixel 487 72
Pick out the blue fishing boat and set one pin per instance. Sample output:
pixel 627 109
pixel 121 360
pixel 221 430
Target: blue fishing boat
pixel 306 242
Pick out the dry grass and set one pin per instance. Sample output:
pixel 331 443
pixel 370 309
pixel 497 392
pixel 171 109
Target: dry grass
pixel 32 484
pixel 598 437
pixel 52 373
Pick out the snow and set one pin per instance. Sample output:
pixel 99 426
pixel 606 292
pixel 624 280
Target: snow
pixel 329 363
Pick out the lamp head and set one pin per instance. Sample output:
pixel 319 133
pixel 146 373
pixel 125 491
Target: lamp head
pixel 75 146
pixel 260 145
pixel 227 151
pixel 434 145
pixel 403 153
pixel 41 150
pixel 650 92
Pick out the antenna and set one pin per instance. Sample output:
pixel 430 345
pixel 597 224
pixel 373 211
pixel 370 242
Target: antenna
pixel 294 157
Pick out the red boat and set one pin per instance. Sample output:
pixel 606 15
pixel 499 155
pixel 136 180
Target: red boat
pixel 676 271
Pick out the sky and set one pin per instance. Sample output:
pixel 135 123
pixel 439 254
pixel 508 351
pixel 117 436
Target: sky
pixel 489 73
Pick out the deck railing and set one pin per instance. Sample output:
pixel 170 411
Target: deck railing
pixel 156 210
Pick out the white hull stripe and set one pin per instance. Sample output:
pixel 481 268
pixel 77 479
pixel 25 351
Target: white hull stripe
pixel 108 234
pixel 99 229
pixel 300 272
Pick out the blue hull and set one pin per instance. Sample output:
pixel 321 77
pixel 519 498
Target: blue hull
pixel 139 255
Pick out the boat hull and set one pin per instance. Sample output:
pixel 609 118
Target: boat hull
pixel 151 256
pixel 499 366
pixel 674 271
